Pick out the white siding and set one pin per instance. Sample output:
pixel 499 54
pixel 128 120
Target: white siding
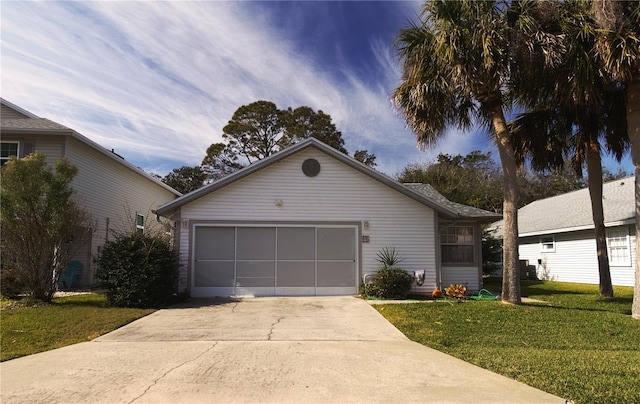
pixel 52 146
pixel 9 113
pixel 339 194
pixel 575 259
pixel 112 191
pixel 467 276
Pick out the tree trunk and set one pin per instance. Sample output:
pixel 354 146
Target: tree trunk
pixel 594 172
pixel 510 267
pixel 633 124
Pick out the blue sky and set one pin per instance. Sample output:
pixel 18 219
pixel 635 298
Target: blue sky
pixel 157 81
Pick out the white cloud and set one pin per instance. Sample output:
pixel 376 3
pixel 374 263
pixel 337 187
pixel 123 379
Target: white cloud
pixel 157 81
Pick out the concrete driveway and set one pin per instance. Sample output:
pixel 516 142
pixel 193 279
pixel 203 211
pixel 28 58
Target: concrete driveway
pixel 303 350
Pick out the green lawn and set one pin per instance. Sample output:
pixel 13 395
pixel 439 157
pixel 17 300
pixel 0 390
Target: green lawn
pixel 25 330
pixel 573 344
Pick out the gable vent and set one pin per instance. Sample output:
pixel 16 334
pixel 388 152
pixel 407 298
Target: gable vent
pixel 311 167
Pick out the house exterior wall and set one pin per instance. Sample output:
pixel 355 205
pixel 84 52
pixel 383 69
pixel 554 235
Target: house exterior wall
pixel 9 113
pixel 338 194
pixel 574 258
pixel 469 275
pixel 112 193
pixel 52 146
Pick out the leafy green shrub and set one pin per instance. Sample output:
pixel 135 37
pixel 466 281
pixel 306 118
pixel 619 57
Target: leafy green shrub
pixel 392 283
pixel 138 270
pixel 11 284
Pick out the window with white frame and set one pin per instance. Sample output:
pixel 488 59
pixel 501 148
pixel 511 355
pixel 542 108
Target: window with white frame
pixel 547 244
pixel 619 247
pixel 8 150
pixel 457 245
pixel 139 223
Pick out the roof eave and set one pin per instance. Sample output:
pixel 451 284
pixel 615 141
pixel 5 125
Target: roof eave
pixel 615 223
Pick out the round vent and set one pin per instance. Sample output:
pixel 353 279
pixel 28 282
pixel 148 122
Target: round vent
pixel 311 167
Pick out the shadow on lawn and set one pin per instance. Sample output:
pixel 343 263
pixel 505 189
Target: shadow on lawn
pixel 528 288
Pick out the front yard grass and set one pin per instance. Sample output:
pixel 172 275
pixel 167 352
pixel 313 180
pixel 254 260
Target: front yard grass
pixel 573 344
pixel 28 329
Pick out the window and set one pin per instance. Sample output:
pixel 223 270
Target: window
pixel 8 150
pixel 618 248
pixel 547 244
pixel 457 244
pixel 139 223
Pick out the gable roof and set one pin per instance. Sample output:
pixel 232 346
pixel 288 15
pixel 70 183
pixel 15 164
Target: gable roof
pixel 446 210
pixel 462 210
pixel 572 211
pixel 34 125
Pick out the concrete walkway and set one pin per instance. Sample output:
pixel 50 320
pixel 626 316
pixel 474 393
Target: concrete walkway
pixel 303 350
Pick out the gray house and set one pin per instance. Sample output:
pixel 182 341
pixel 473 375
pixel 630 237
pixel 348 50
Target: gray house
pixel 310 220
pixel 116 193
pixel 557 236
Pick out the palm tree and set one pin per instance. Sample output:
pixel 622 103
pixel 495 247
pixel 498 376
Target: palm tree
pixel 618 46
pixel 575 108
pixel 456 66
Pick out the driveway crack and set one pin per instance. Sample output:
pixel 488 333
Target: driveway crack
pixel 171 370
pixel 273 325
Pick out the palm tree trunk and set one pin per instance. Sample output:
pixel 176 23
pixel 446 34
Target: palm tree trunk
pixel 594 172
pixel 633 124
pixel 511 270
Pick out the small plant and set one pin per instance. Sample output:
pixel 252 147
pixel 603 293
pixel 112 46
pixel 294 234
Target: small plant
pixel 456 291
pixel 388 257
pixel 436 294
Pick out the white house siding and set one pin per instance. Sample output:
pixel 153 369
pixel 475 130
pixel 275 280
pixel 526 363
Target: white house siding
pixel 574 259
pixel 9 113
pixel 51 146
pixel 339 194
pixel 468 276
pixel 111 192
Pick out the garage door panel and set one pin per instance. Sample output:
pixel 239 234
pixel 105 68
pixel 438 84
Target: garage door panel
pixel 255 273
pixel 277 260
pixel 296 274
pixel 215 243
pixel 214 274
pixel 296 243
pixel 336 274
pixel 256 243
pixel 336 243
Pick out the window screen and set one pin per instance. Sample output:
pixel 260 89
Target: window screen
pixel 457 244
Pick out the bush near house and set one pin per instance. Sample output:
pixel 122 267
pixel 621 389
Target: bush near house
pixel 138 270
pixel 390 282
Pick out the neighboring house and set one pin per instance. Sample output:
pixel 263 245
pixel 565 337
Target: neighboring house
pixel 117 194
pixel 557 236
pixel 310 220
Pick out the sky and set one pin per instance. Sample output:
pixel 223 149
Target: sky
pixel 157 81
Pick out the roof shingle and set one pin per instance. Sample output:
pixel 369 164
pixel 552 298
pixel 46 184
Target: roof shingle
pixel 572 211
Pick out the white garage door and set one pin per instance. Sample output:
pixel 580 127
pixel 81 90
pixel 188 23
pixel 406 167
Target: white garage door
pixel 274 261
